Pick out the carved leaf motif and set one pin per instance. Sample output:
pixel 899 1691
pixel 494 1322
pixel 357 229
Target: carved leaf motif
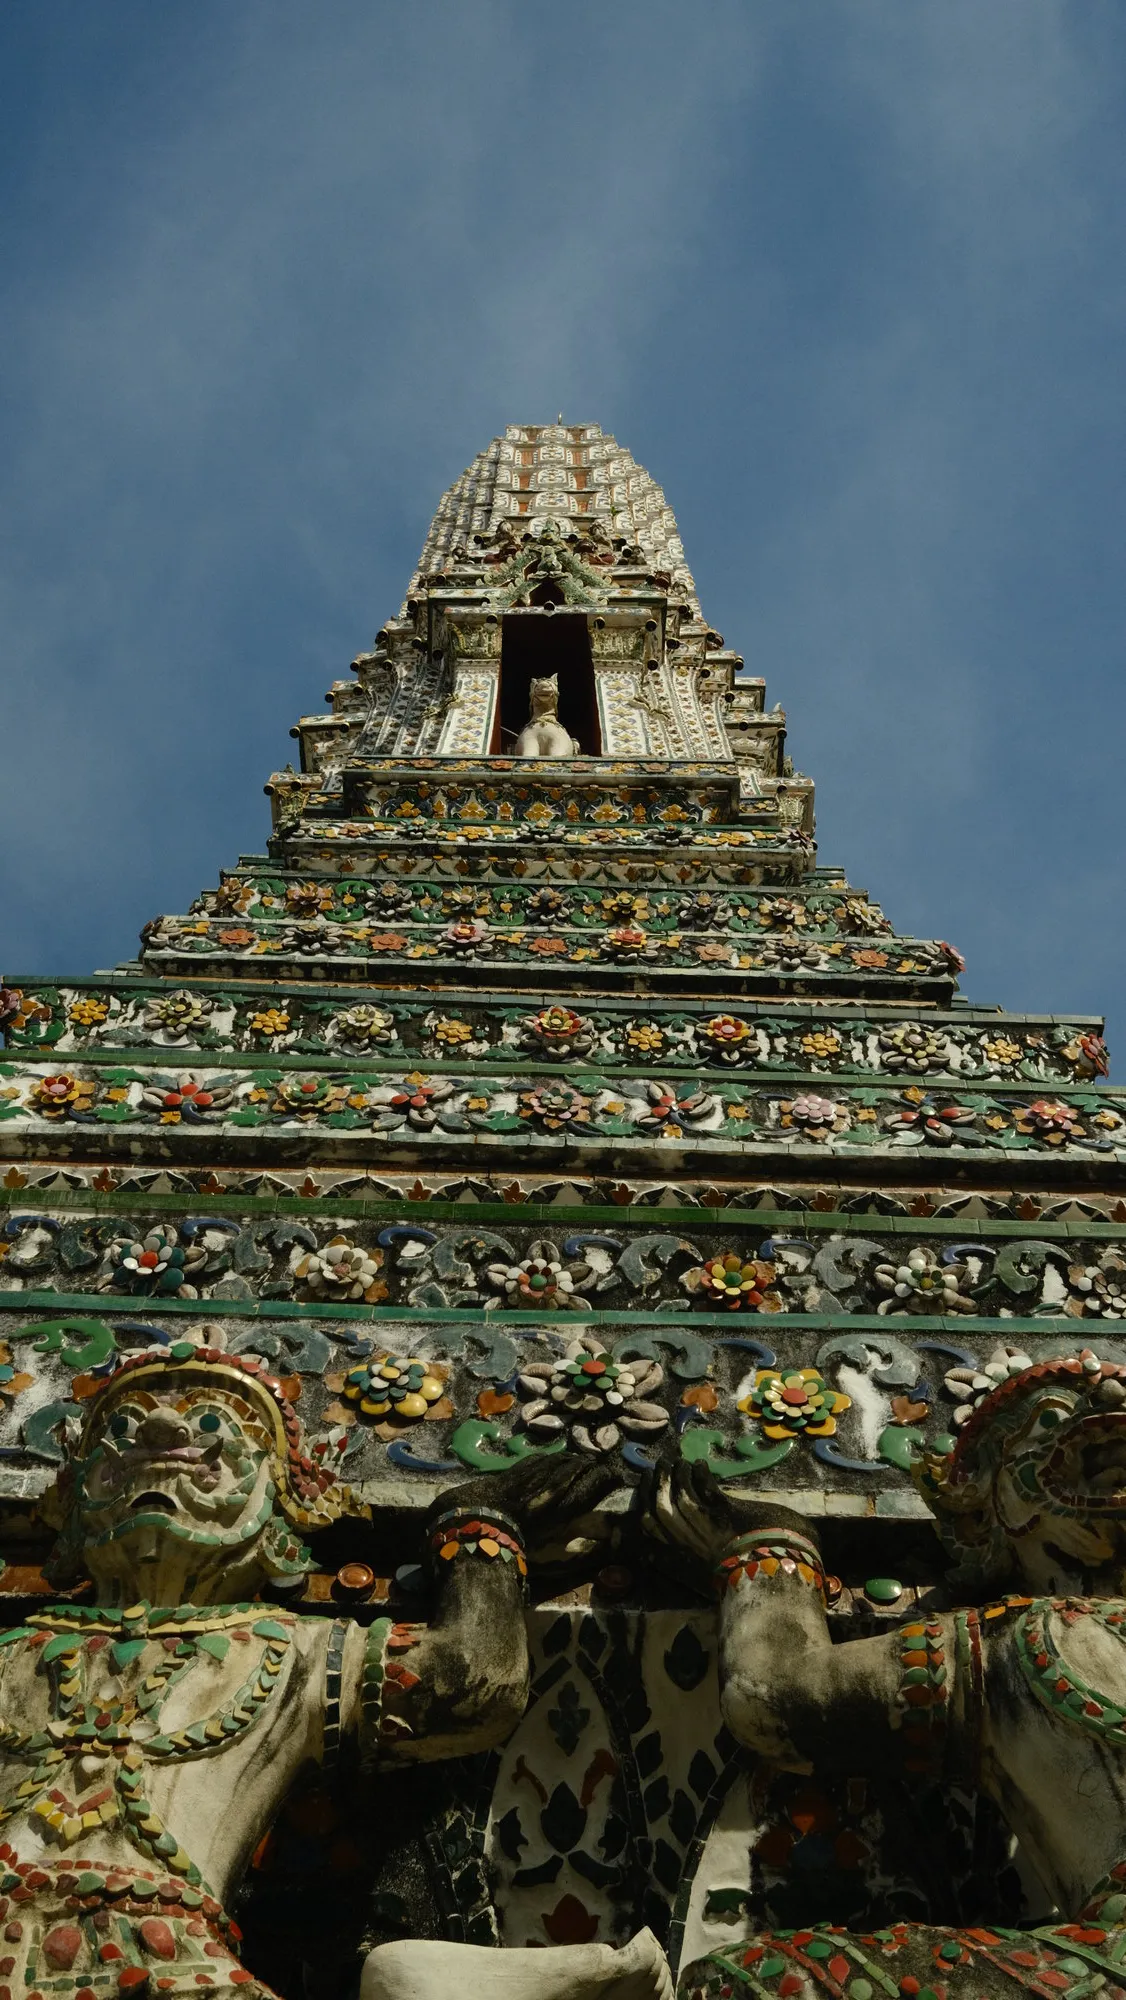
pixel 563 1821
pixel 534 1878
pixel 668 1866
pixel 491 1403
pixel 648 1753
pixel 595 1871
pixel 701 1774
pixel 568 1719
pixel 657 1798
pixel 682 1817
pixel 701 1396
pixel 686 1661
pixel 602 1765
pixel 511 1837
pixel 570 1922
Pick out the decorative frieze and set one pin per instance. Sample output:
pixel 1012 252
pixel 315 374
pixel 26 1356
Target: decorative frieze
pixel 444 1107
pixel 807 1043
pixel 956 1268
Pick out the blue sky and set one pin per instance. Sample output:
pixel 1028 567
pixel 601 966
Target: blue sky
pixel 847 276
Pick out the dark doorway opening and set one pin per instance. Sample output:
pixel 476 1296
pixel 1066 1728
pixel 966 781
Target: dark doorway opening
pixel 535 645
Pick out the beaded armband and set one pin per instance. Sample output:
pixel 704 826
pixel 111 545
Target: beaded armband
pixel 922 1698
pixel 933 1692
pixel 495 1539
pixel 768 1552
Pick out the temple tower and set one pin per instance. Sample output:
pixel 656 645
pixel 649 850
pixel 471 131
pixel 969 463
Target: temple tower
pixel 513 1102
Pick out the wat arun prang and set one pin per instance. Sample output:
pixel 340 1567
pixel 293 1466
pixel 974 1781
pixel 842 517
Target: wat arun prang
pixel 564 1394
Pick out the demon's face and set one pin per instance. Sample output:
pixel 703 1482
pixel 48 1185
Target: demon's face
pixel 1037 1482
pixel 172 1488
pixel 177 1462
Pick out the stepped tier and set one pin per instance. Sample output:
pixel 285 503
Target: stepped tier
pixel 489 1055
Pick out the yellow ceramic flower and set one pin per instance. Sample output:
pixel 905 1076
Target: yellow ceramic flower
pixel 453 1032
pixel 821 1043
pixel 270 1021
pixel 1001 1050
pixel 88 1013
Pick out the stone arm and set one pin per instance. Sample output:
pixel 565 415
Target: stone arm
pixel 459 1684
pixel 786 1690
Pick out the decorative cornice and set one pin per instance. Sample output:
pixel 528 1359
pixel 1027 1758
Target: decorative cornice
pixel 803 1044
pixel 125 1250
pixel 226 1111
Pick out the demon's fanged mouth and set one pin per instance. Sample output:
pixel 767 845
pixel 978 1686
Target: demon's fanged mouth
pixel 146 1503
pixel 199 1465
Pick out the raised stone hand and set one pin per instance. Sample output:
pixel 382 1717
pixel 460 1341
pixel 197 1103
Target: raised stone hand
pixel 690 1518
pixel 460 1683
pixel 551 1500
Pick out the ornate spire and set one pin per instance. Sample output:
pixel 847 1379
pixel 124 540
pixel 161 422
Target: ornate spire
pixel 553 556
pixel 571 473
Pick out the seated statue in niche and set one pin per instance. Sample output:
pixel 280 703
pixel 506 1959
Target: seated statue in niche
pixel 543 735
pixel 1023 1697
pixel 149 1735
